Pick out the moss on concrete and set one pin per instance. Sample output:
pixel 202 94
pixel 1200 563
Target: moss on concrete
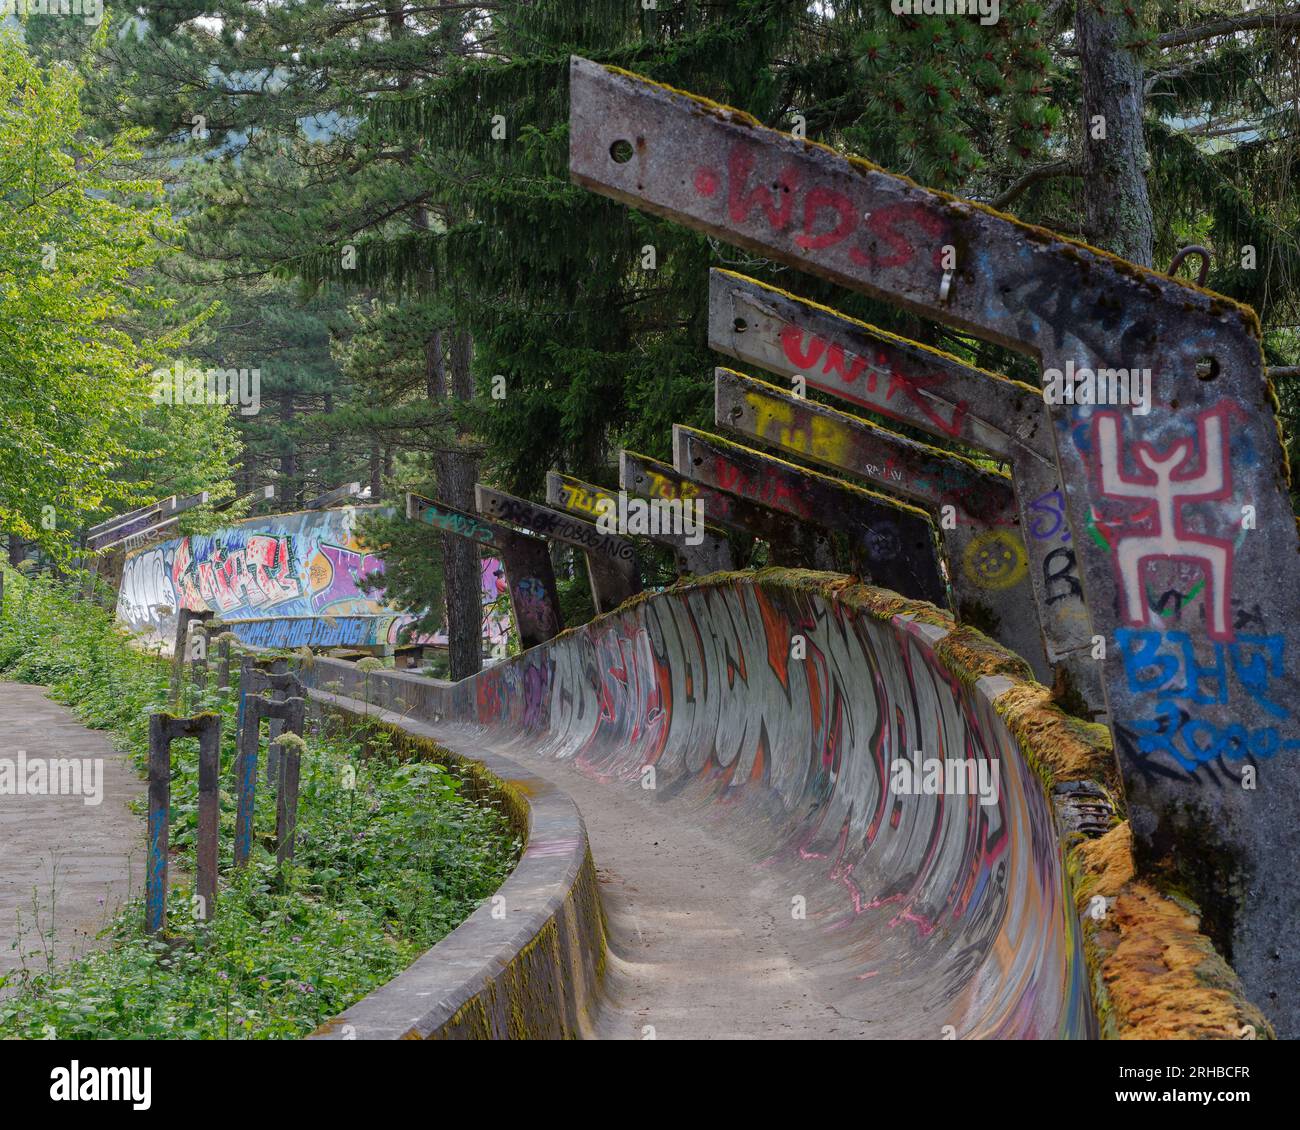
pixel 1163 978
pixel 1066 748
pixel 1156 976
pixel 971 655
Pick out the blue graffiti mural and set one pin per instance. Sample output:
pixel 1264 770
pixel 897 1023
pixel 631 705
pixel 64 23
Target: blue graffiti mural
pixel 1164 666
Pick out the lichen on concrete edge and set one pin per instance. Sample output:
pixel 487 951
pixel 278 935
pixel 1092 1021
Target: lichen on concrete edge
pixel 1155 976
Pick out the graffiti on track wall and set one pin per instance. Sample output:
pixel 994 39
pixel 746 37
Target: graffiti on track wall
pixel 943 910
pixel 288 580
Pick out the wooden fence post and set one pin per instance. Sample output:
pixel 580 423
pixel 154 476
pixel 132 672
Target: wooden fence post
pixel 198 657
pixel 163 730
pixel 277 683
pixel 223 658
pixel 205 884
pixel 246 743
pixel 160 791
pixel 286 812
pixel 184 616
pixel 292 715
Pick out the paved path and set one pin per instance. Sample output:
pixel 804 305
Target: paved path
pixel 65 866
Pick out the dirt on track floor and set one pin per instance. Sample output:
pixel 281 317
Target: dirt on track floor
pixel 702 944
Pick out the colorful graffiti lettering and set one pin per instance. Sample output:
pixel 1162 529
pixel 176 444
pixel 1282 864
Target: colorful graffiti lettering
pixel 817 436
pixel 1164 665
pixel 337 573
pixel 292 567
pixel 580 498
pixel 1165 486
pixel 805 354
pixel 768 490
pixel 660 486
pixel 1047 517
pixel 461 524
pixel 1059 577
pixel 322 631
pixel 827 216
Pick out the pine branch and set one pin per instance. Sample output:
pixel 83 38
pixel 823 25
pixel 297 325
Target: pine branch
pixel 1206 129
pixel 1031 178
pixel 1281 20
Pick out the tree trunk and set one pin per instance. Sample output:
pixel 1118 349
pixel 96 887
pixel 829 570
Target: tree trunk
pixel 457 474
pixel 17 550
pixel 292 488
pixel 376 470
pixel 1117 208
pixel 332 445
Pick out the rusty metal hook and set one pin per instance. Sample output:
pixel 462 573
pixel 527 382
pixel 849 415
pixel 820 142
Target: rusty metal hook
pixel 1192 249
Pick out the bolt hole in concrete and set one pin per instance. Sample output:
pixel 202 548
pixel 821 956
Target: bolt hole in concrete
pixel 621 151
pixel 740 325
pixel 1207 368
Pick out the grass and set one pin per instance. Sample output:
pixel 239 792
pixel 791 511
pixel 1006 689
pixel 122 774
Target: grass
pixel 390 856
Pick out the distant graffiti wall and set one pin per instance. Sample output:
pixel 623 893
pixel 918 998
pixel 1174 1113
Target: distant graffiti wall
pixel 282 581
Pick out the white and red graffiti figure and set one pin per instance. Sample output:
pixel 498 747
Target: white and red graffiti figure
pixel 1167 483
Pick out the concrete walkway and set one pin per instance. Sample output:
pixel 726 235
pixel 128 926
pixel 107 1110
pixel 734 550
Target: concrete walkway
pixel 65 866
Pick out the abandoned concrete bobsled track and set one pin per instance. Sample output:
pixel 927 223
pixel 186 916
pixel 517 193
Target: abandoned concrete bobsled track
pixel 766 868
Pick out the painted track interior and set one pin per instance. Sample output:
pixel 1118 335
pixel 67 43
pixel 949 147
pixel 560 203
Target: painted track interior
pixel 779 885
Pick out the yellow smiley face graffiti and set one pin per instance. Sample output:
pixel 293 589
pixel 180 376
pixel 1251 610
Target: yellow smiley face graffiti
pixel 995 560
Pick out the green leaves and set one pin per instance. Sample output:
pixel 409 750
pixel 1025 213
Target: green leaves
pixel 383 868
pixel 74 232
